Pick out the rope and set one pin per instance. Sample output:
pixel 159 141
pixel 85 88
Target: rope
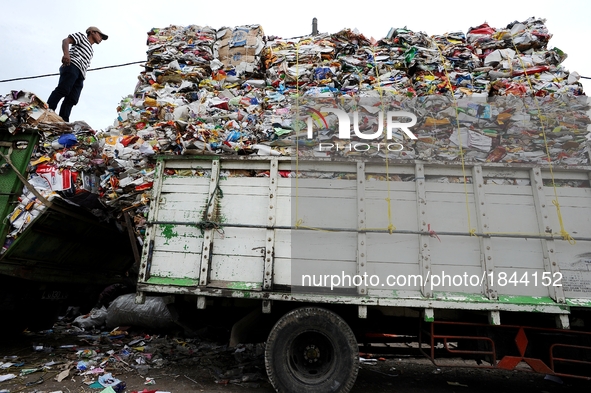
pixel 206 224
pixel 391 227
pixel 565 235
pixel 91 69
pixel 298 225
pixel 432 233
pixel 471 230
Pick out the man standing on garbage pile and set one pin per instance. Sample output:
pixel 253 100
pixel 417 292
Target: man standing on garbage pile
pixel 75 62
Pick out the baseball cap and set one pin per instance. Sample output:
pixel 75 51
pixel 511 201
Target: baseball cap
pixel 94 28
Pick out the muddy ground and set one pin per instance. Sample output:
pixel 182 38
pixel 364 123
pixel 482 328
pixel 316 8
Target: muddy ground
pixel 181 365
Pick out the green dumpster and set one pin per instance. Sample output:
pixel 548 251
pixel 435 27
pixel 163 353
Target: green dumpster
pixel 19 148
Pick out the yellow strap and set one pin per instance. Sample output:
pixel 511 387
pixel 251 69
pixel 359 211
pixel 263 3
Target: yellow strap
pixel 298 225
pixel 391 227
pixel 471 230
pixel 565 235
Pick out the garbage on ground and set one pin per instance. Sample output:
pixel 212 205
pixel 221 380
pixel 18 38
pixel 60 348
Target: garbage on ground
pixel 119 387
pixel 368 361
pixel 451 383
pixel 27 371
pixel 86 354
pixel 108 380
pixel 95 318
pixel 62 375
pixel 149 391
pixel 7 377
pixel 101 362
pixel 553 378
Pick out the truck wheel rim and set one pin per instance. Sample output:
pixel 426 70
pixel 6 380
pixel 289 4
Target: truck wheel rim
pixel 311 357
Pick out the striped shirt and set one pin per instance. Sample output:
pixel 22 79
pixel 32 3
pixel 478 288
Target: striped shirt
pixel 81 52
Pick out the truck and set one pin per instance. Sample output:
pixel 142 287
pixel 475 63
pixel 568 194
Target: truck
pixel 472 239
pixel 341 255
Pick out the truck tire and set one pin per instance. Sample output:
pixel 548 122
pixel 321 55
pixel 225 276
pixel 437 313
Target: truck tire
pixel 311 350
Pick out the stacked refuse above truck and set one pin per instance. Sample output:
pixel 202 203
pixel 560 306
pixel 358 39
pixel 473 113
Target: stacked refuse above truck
pixel 487 95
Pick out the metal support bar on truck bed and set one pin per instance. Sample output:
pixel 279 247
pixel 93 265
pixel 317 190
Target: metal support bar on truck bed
pixel 270 233
pixel 212 198
pixel 424 226
pixel 361 224
pixel 486 248
pixel 548 245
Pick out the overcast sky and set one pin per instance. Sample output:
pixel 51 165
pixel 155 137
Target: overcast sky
pixel 31 33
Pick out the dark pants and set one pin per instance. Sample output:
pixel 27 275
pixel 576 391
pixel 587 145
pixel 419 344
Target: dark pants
pixel 68 88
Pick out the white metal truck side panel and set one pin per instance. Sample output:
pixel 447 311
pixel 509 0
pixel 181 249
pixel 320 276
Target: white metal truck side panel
pixel 259 230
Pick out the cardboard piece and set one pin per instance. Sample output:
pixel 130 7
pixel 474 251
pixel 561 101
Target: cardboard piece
pixel 240 47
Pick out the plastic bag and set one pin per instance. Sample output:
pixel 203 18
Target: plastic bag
pixel 95 318
pixel 154 313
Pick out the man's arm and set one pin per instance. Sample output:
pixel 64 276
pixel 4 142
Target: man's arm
pixel 66 49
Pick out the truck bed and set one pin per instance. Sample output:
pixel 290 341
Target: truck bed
pixel 475 237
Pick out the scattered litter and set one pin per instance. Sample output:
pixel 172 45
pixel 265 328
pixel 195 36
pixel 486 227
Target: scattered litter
pixel 554 378
pixel 86 354
pixel 27 371
pixel 149 391
pixel 95 318
pixel 38 381
pixel 7 377
pixel 456 384
pixel 368 361
pixel 195 382
pixel 108 380
pixel 63 375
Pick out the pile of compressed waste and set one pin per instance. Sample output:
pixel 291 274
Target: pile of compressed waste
pixel 189 100
pixel 490 95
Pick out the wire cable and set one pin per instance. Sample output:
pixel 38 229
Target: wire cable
pixel 91 69
pixel 113 66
